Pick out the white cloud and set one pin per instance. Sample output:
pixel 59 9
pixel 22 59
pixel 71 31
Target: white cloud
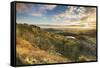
pixel 75 15
pixel 48 7
pixel 36 14
pixel 42 9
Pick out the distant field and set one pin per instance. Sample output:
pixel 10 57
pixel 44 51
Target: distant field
pixel 72 31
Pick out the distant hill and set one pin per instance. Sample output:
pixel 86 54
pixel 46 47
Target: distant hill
pixel 36 46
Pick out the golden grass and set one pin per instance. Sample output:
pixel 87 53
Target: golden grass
pixel 32 55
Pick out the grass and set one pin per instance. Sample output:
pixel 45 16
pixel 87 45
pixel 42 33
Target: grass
pixel 38 46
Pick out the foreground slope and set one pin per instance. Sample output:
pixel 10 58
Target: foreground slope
pixel 36 46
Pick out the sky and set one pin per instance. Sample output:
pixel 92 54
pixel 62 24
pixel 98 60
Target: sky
pixel 43 14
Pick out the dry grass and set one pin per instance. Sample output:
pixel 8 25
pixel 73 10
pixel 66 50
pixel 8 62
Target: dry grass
pixel 32 55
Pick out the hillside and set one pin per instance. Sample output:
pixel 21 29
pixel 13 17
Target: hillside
pixel 37 46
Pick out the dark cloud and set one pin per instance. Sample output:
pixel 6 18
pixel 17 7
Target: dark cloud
pixel 20 7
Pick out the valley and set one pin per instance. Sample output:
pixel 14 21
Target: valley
pixel 36 45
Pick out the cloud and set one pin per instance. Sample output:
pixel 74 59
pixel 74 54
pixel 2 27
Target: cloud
pixel 33 9
pixel 21 7
pixel 48 7
pixel 42 9
pixel 36 14
pixel 77 15
pixel 69 14
pixel 89 16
